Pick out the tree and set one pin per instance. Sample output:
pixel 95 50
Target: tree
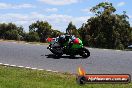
pixel 12 35
pixel 71 29
pixel 32 37
pixel 10 31
pixel 55 33
pixel 43 29
pixel 106 29
pixel 3 28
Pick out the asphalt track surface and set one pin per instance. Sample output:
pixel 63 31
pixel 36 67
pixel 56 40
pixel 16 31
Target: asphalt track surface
pixel 37 56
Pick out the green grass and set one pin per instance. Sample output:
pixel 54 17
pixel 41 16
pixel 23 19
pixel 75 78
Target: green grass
pixel 13 77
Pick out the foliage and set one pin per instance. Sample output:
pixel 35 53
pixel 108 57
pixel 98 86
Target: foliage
pixel 106 29
pixel 44 30
pixel 32 37
pixel 38 31
pixel 72 30
pixel 55 33
pixel 11 35
pixel 10 31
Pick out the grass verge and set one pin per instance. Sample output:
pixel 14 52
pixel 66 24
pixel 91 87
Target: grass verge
pixel 40 43
pixel 13 77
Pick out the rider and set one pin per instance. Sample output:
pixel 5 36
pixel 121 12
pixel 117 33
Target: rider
pixel 65 40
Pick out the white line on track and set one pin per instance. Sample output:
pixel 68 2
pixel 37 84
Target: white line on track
pixel 34 68
pixel 48 70
pixel 6 64
pixel 21 66
pixel 27 67
pixel 13 65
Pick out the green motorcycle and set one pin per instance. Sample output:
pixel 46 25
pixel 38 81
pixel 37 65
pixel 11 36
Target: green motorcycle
pixel 71 48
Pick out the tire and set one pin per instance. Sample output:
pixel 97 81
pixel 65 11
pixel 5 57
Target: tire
pixel 58 56
pixel 72 56
pixel 57 53
pixel 85 53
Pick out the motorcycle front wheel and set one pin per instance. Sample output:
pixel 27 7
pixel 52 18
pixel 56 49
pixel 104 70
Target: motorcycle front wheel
pixel 58 52
pixel 85 53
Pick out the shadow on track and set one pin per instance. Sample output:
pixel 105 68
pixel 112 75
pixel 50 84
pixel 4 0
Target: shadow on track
pixel 65 57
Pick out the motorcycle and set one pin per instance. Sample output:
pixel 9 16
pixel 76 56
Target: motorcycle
pixel 72 49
